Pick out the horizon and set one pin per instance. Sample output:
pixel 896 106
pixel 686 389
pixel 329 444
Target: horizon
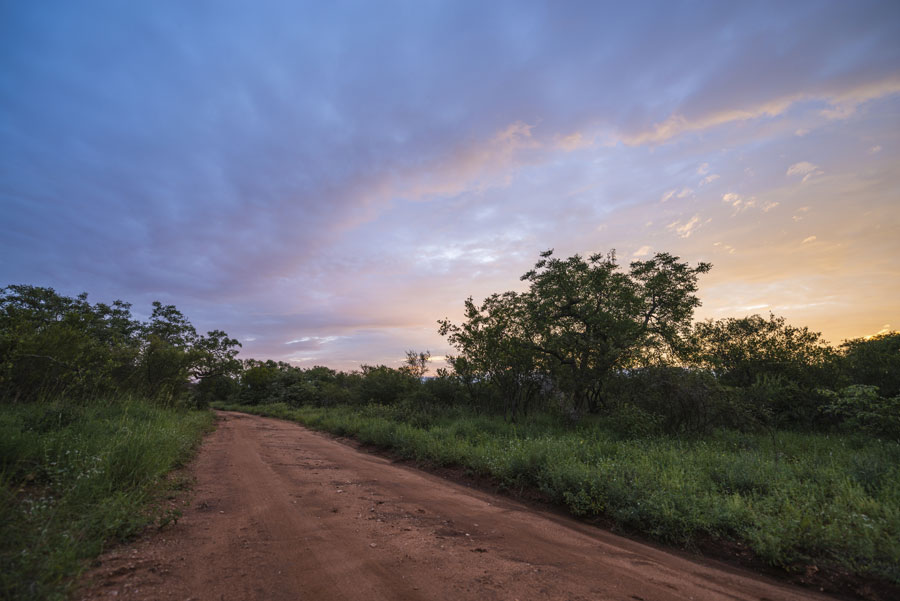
pixel 324 183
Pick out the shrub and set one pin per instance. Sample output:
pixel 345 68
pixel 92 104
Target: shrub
pixel 683 400
pixel 874 361
pixel 384 385
pixel 860 407
pixel 631 421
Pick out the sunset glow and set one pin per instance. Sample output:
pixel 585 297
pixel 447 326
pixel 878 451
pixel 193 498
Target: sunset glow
pixel 326 181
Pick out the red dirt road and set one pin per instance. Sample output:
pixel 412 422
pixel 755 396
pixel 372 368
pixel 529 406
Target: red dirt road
pixel 283 513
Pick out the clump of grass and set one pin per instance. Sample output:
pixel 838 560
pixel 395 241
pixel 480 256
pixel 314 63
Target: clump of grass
pixel 794 498
pixel 74 478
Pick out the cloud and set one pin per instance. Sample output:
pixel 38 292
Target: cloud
pixel 845 103
pixel 808 239
pixel 741 203
pixel 676 124
pixel 841 101
pixel 806 169
pixel 357 178
pixel 314 339
pixel 643 251
pixel 732 198
pixel 885 329
pixel 574 141
pixel 738 202
pixel 682 193
pixel 801 168
pixel 875 149
pixel 684 230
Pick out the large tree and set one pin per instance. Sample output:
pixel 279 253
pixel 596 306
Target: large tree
pixel 580 321
pixel 591 319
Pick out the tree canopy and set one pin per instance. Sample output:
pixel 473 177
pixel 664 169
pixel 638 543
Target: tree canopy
pixel 579 321
pixel 52 345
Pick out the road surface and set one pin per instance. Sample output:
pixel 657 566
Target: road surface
pixel 283 513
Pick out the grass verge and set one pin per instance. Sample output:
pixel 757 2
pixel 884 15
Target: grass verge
pixel 805 502
pixel 75 477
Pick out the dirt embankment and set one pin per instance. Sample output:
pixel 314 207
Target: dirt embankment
pixel 283 513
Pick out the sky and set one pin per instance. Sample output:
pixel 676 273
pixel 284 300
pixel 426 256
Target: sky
pixel 326 180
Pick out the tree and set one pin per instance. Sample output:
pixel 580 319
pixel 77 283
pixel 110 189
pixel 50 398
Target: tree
pixel 417 363
pixel 495 348
pixel 52 344
pixel 167 357
pixel 590 319
pixel 215 366
pixel 214 355
pixel 778 368
pixel 580 321
pixel 739 351
pixel 385 385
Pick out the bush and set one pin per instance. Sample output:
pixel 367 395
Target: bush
pixel 778 401
pixel 681 400
pixel 446 390
pixel 873 361
pixel 861 408
pixel 631 421
pixel 384 385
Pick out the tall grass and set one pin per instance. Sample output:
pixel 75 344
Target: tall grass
pixel 796 499
pixel 75 477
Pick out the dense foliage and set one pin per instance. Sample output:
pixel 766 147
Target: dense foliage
pixel 75 477
pixel 93 414
pixel 53 346
pixel 590 338
pixel 580 323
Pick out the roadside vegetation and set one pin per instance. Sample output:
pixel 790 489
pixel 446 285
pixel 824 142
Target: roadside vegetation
pixel 96 409
pixel 798 500
pixel 596 388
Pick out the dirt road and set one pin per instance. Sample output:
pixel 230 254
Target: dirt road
pixel 283 513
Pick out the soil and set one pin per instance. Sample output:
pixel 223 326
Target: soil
pixel 282 513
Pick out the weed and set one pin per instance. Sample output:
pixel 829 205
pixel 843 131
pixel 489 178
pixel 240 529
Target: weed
pixel 75 477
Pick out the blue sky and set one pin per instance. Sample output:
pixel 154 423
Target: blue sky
pixel 326 180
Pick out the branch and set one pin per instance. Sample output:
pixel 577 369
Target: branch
pixel 553 353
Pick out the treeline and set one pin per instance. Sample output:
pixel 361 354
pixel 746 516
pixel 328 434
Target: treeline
pixel 591 338
pixel 587 337
pixel 57 347
pixel 94 413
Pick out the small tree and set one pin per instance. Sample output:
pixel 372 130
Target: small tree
pixel 495 348
pixel 417 363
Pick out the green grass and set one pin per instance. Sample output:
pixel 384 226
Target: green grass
pixel 74 478
pixel 795 499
